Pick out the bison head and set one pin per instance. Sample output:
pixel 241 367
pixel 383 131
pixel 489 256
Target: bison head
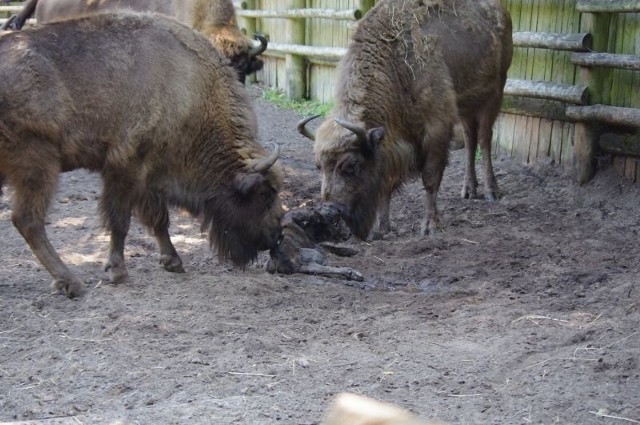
pixel 240 51
pixel 352 174
pixel 246 218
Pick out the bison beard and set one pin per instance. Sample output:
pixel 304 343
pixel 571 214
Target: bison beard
pixel 153 107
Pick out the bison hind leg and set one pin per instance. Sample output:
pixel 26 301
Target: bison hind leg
pixel 470 182
pixel 34 188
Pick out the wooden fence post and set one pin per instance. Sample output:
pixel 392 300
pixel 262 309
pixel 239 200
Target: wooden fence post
pixel 296 86
pixel 586 134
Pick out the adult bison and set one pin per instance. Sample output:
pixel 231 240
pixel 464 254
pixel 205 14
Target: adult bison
pixel 215 19
pixel 413 68
pixel 153 107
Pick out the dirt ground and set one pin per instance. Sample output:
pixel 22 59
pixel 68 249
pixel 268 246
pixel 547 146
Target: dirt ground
pixel 522 311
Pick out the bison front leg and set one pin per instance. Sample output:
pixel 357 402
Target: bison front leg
pixel 155 215
pixel 431 178
pixel 485 134
pixel 33 193
pixel 115 206
pixel 470 183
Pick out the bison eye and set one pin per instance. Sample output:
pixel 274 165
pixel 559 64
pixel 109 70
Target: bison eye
pixel 349 168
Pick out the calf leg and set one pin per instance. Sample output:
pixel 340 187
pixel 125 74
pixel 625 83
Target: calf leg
pixel 470 183
pixel 33 192
pixel 154 214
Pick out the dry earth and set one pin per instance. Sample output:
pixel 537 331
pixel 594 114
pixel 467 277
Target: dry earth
pixel 522 311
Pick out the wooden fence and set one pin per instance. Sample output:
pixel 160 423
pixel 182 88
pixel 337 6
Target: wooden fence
pixel 572 93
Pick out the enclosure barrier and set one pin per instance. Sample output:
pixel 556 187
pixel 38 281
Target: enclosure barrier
pixel 591 118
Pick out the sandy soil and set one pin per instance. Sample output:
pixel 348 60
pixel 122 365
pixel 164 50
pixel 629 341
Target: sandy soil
pixel 522 311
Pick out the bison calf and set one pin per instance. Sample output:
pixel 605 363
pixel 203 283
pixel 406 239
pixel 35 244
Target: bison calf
pixel 305 234
pixel 154 108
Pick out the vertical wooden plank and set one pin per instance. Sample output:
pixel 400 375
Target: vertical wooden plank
pixel 296 74
pixel 534 140
pixel 555 147
pixel 630 168
pixel 544 138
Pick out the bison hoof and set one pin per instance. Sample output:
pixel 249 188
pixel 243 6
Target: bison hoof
pixel 490 196
pixel 71 287
pixel 118 270
pixel 172 264
pixel 468 193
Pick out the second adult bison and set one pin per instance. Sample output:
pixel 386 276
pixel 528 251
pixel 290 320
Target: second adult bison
pixel 154 108
pixel 413 69
pixel 216 19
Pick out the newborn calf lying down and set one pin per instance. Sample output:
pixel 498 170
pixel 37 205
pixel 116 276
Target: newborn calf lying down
pixel 307 233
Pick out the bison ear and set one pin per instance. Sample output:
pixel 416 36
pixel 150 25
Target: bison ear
pixel 246 184
pixel 373 139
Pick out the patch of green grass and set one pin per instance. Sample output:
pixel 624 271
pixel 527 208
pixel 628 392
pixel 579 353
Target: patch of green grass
pixel 304 108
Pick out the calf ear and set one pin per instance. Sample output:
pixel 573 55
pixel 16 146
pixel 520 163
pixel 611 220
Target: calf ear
pixel 246 184
pixel 373 139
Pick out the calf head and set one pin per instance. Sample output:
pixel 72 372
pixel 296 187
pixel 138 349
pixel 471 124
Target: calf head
pixel 352 171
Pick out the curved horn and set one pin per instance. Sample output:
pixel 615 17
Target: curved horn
pixel 357 130
pixel 304 130
pixel 7 24
pixel 263 165
pixel 255 51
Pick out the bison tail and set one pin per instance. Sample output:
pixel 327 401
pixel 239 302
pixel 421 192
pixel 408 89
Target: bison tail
pixel 1 184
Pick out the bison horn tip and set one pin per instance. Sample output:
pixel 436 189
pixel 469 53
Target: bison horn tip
pixel 261 48
pixel 302 129
pixel 263 166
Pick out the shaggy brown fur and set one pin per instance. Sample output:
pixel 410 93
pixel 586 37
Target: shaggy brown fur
pixel 153 107
pixel 215 19
pixel 412 70
pixel 307 231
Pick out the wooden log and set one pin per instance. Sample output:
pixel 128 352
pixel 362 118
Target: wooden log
pixel 352 409
pixel 532 107
pixel 580 42
pixel 300 13
pixel 577 94
pixel 309 51
pixel 608 6
pixel 10 9
pixel 606 60
pixel 605 114
pixel 620 144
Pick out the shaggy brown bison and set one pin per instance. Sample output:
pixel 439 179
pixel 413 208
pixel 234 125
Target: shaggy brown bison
pixel 413 68
pixel 153 107
pixel 216 19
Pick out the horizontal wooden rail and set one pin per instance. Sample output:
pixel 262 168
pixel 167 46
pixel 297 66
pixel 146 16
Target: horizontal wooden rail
pixel 608 6
pixel 577 94
pixel 344 15
pixel 579 42
pixel 10 9
pixel 532 107
pixel 309 51
pixel 620 144
pixel 606 60
pixel 614 115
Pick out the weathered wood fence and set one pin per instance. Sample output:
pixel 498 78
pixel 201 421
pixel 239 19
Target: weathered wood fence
pixel 572 93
